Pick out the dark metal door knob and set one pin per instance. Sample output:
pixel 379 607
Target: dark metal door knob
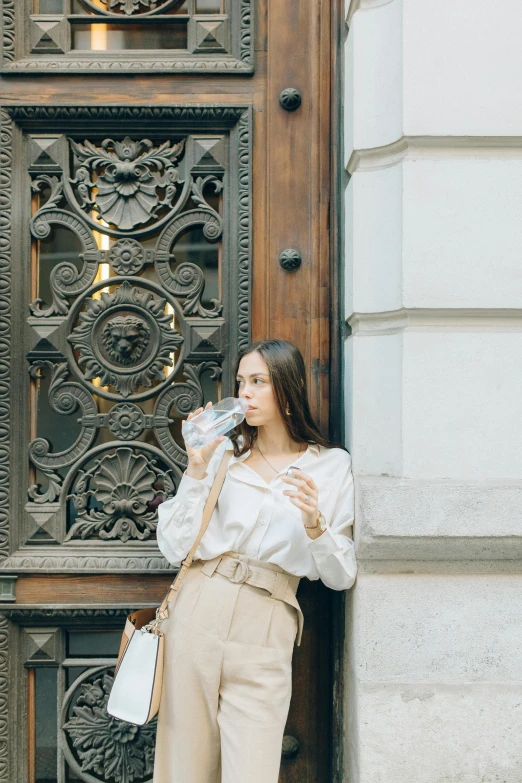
pixel 290 259
pixel 290 747
pixel 290 99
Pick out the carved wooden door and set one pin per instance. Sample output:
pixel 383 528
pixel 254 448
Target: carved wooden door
pixel 164 200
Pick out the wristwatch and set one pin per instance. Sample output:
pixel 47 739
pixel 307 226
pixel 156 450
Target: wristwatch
pixel 319 525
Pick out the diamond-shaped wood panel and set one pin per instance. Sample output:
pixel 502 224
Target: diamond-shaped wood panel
pixel 48 36
pixel 211 35
pixel 40 645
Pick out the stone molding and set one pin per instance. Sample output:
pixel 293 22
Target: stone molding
pixel 363 5
pixel 430 319
pixel 93 616
pixel 6 157
pixel 408 147
pixel 453 519
pixel 71 560
pixel 110 118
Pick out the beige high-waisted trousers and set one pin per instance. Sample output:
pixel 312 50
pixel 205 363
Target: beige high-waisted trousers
pixel 227 679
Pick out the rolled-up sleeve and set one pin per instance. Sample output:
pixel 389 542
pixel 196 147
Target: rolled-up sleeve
pixel 334 550
pixel 179 518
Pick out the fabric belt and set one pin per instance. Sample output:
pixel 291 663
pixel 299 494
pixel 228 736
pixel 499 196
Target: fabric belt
pixel 268 576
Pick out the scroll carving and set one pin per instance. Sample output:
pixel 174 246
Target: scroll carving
pixel 182 398
pixel 188 280
pixel 66 280
pixel 65 398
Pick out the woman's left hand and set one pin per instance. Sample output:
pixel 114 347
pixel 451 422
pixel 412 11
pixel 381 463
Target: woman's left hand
pixel 305 486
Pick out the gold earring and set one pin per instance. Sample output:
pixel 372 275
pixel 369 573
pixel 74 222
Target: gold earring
pixel 287 411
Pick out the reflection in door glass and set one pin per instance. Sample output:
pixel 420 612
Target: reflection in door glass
pixel 139 291
pixel 46 725
pixel 60 246
pixel 101 37
pixel 192 247
pixel 89 644
pixel 50 7
pixel 208 6
pixel 77 8
pixel 61 431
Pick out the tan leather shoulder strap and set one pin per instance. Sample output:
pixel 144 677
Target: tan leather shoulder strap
pixel 207 513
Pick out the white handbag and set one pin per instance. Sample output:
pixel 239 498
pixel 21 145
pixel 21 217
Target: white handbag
pixel 136 692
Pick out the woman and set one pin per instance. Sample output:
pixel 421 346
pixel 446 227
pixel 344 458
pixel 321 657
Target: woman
pixel 231 630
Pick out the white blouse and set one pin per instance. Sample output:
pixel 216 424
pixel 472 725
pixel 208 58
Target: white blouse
pixel 256 519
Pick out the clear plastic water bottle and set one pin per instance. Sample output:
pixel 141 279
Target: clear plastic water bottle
pixel 213 422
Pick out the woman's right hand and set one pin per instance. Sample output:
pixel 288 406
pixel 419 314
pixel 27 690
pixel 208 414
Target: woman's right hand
pixel 198 459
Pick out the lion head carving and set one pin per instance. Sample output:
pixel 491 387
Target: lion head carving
pixel 125 338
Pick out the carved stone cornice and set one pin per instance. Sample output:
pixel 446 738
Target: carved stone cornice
pixel 48 560
pixel 5 317
pixel 93 617
pixel 5 322
pixel 188 65
pixel 110 118
pixel 245 230
pixel 4 700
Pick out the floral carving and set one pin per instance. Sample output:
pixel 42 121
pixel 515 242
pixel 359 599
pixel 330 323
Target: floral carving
pixel 110 749
pixel 127 257
pixel 129 177
pixel 126 338
pixel 125 421
pixel 122 484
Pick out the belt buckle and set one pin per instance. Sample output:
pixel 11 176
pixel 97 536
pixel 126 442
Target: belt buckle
pixel 244 574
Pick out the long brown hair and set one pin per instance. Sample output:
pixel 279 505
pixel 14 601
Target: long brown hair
pixel 287 372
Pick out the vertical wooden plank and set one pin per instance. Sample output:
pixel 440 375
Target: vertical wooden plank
pixel 339 600
pixel 31 729
pixel 298 186
pixel 260 278
pixel 309 717
pixel 320 321
pixel 338 184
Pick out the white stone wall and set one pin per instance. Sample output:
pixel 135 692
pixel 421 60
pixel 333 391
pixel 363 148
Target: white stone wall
pixel 433 292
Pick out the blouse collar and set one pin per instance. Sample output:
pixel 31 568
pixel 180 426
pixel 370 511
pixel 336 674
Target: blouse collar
pixel 313 448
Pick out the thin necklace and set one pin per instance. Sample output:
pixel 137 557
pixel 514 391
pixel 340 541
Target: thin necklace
pixel 268 463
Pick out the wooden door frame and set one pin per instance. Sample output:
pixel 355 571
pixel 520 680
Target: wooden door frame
pixel 326 374
pixel 323 352
pixel 339 332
